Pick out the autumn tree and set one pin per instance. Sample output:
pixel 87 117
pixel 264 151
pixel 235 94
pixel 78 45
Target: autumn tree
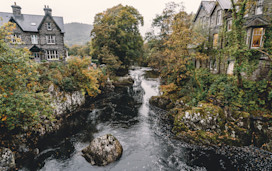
pixel 174 43
pixel 116 35
pixel 22 100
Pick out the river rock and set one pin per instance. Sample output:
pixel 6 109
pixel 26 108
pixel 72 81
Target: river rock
pixel 7 160
pixel 103 150
pixel 162 102
pixel 123 81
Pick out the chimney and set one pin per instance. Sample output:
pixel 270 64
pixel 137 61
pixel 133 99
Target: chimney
pixel 16 9
pixel 47 10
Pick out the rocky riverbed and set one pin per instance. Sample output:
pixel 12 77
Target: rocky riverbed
pixel 145 133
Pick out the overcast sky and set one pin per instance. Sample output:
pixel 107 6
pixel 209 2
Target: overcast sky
pixel 83 11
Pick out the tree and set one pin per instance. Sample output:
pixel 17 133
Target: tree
pixel 116 31
pixel 172 46
pixel 22 101
pixel 86 77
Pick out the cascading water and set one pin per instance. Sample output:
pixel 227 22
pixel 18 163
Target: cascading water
pixel 146 139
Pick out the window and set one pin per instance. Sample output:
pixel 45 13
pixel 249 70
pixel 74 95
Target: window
pixel 49 26
pixel 34 39
pixel 229 25
pixel 52 55
pixel 50 39
pixel 257 37
pixel 36 55
pixel 218 17
pixel 15 38
pixel 259 7
pixel 215 40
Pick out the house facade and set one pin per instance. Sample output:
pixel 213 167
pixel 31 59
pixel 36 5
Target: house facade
pixel 258 18
pixel 43 35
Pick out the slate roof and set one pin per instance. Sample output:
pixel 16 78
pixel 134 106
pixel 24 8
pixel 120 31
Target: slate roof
pixel 29 23
pixel 225 4
pixel 207 6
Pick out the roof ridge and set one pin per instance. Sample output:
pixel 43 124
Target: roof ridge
pixel 29 14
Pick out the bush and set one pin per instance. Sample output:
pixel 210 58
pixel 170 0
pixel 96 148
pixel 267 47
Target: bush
pixel 76 75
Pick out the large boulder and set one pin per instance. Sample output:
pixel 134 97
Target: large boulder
pixel 205 116
pixel 162 102
pixel 7 160
pixel 124 81
pixel 103 150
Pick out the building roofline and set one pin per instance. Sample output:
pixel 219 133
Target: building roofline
pixel 201 5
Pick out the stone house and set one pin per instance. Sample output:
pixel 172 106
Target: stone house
pixel 43 35
pixel 258 18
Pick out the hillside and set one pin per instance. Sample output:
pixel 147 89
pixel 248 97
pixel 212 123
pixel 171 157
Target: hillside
pixel 77 33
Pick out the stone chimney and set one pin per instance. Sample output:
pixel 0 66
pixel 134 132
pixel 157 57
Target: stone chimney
pixel 47 10
pixel 16 9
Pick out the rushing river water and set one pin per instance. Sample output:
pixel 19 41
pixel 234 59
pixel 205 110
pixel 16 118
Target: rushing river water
pixel 146 139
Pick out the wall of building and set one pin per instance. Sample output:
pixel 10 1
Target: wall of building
pixel 43 32
pixel 59 45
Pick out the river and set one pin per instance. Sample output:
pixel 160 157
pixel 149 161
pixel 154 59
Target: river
pixel 147 141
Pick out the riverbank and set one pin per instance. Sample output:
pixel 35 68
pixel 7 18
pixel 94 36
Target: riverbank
pixel 27 144
pixel 208 124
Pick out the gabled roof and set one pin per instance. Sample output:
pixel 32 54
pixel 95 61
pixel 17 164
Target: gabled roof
pixel 225 4
pixel 207 6
pixel 29 23
pixel 258 21
pixel 35 48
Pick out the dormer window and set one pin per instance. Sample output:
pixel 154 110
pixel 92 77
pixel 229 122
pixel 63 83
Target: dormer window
pixel 259 7
pixel 49 26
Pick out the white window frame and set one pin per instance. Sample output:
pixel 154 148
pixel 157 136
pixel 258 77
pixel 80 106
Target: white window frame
pixel 16 38
pixel 34 39
pixel 229 25
pixel 36 55
pixel 51 39
pixel 252 36
pixel 49 26
pixel 52 55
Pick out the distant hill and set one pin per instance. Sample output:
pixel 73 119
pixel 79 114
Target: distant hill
pixel 77 33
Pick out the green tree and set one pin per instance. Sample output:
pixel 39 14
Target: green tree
pixel 117 29
pixel 22 101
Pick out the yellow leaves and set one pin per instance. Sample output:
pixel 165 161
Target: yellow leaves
pixel 168 89
pixel 29 85
pixel 4 118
